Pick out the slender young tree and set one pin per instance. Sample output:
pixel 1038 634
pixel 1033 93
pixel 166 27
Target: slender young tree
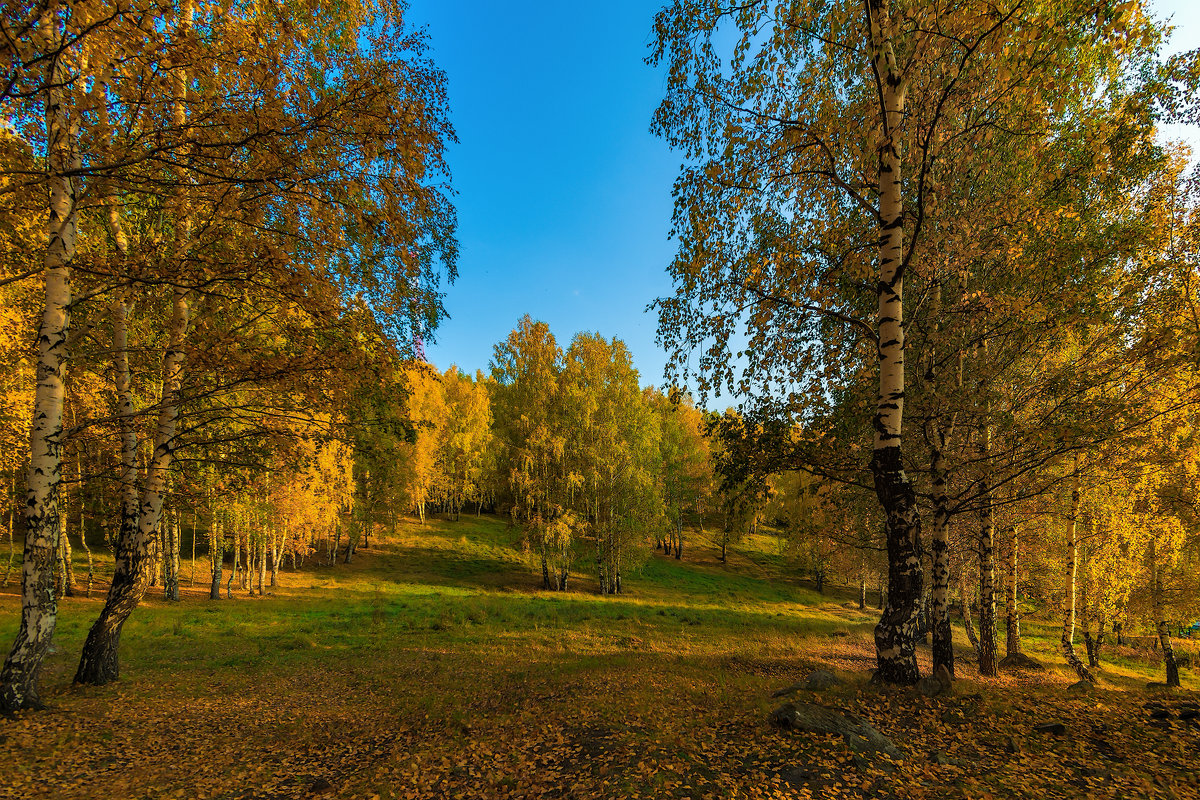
pixel 43 515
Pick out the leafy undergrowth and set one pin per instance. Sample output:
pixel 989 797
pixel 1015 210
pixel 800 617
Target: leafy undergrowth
pixel 432 667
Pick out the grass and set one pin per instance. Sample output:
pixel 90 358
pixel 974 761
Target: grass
pixel 434 666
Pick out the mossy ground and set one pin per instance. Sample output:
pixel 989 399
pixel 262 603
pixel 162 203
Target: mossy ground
pixel 434 666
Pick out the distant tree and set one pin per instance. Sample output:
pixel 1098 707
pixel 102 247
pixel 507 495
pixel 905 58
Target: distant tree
pixel 427 412
pixel 528 405
pixel 685 464
pixel 612 453
pixel 465 440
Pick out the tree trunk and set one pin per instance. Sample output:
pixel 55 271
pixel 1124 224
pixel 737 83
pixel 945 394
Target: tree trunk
pixel 1089 647
pixel 987 588
pixel 86 549
pixel 1160 623
pixel 923 614
pixel 233 571
pixel 277 542
pixel 43 524
pixel 156 556
pixel 1086 604
pixel 235 575
pixel 940 571
pixel 251 562
pixel 1068 630
pixel 1094 655
pixel 248 566
pixel 171 559
pixel 968 626
pixel 192 579
pixel 12 523
pixel 262 564
pixel 895 635
pixel 99 662
pixel 165 531
pixel 216 555
pixel 986 545
pixel 64 550
pixel 176 544
pixel 1012 638
pixel 939 545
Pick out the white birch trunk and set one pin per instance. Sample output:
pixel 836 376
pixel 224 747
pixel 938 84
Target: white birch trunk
pixel 12 522
pixel 99 663
pixel 18 678
pixel 1068 631
pixel 1012 641
pixel 895 635
pixel 986 544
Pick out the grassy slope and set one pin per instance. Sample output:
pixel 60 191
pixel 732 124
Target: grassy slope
pixel 434 667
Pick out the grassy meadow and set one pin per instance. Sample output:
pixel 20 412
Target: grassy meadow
pixel 434 666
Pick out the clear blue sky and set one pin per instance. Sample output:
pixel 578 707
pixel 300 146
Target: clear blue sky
pixel 564 197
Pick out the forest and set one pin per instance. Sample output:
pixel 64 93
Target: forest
pixel 911 511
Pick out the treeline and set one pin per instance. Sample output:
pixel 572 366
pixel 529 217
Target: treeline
pixel 222 227
pixel 567 443
pixel 942 251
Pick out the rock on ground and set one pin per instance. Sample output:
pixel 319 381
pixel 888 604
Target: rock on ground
pixel 938 683
pixel 815 682
pixel 812 718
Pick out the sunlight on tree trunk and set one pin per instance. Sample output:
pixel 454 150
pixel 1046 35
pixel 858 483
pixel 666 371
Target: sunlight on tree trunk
pixel 43 522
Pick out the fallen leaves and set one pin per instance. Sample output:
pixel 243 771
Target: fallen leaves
pixel 497 711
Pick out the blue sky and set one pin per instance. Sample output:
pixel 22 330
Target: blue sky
pixel 564 196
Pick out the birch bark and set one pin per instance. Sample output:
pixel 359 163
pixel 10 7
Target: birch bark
pixel 943 637
pixel 99 662
pixel 1068 631
pixel 1012 639
pixel 895 634
pixel 141 521
pixel 43 523
pixel 216 555
pixel 968 625
pixel 986 545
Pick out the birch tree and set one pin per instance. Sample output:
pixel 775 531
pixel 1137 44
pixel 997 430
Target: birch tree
pixel 465 440
pixel 529 409
pixel 43 523
pixel 828 144
pixel 612 453
pixel 350 157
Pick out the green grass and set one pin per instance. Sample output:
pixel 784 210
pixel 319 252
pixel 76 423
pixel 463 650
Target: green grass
pixel 467 583
pixel 438 642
